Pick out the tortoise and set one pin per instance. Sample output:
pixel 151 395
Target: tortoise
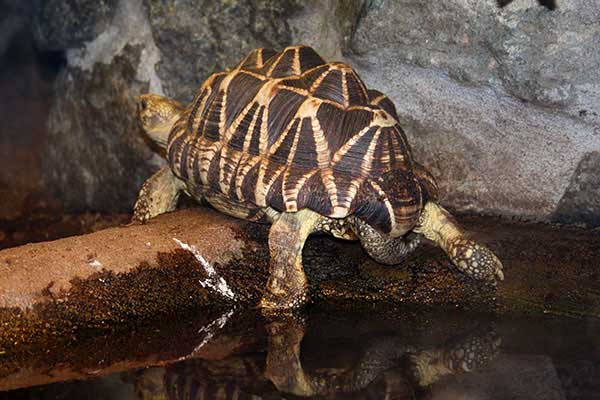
pixel 288 139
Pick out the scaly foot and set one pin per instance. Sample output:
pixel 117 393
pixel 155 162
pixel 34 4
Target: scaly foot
pixel 471 258
pixel 475 260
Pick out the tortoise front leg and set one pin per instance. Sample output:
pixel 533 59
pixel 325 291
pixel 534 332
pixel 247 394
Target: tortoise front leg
pixel 158 195
pixel 287 286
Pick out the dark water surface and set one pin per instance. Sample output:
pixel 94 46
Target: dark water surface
pixel 399 354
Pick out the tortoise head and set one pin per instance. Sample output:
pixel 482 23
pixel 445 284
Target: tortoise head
pixel 157 115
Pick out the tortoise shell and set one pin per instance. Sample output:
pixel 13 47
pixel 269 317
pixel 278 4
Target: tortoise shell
pixel 288 131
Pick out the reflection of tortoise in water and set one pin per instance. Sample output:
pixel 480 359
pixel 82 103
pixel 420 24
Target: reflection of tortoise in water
pixel 384 356
pixel 288 139
pixel 370 365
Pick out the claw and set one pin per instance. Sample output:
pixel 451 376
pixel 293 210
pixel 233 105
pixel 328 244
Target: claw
pixel 500 274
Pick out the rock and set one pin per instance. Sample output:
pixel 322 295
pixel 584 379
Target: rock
pixel 198 38
pixel 534 54
pixel 14 17
pixel 26 89
pixel 97 157
pixel 60 25
pixel 502 109
pixel 581 201
pixel 549 58
pixel 18 236
pixel 327 26
pixel 492 107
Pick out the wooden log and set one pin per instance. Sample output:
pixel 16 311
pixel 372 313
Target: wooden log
pixel 37 272
pixel 125 276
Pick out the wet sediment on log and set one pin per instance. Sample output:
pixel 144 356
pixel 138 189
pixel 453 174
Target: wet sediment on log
pixel 130 276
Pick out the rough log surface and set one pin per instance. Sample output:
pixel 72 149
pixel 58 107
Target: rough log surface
pixel 126 276
pixel 35 272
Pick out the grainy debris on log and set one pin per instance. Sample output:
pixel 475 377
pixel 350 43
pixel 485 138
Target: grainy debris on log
pixel 199 260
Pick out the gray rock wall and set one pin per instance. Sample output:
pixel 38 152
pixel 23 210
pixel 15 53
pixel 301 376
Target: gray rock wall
pixel 502 105
pixel 97 155
pixel 65 24
pixel 196 38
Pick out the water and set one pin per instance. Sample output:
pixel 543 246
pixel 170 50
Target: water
pixel 391 354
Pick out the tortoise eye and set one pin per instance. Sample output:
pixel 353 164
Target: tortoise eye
pixel 141 106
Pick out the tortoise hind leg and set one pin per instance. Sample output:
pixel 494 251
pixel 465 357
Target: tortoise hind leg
pixel 383 249
pixel 287 286
pixel 158 195
pixel 470 257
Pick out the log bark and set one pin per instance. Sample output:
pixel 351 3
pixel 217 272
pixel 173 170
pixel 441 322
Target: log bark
pixel 126 276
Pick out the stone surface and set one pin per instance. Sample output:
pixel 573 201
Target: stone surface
pixel 197 38
pixel 581 201
pixel 502 109
pixel 536 55
pixel 503 105
pixel 14 16
pixel 62 24
pixel 327 26
pixel 26 87
pixel 96 156
pixel 161 47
